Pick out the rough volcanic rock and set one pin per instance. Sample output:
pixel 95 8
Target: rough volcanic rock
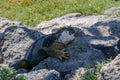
pixel 43 74
pixel 101 29
pixel 111 71
pixel 73 19
pixel 17 39
pixel 76 74
pixel 1 43
pixel 5 23
pixel 95 25
pixel 112 11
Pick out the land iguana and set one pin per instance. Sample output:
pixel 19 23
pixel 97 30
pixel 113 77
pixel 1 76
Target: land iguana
pixel 52 45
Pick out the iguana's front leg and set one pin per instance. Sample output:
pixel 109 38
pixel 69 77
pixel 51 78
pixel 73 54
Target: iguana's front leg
pixel 57 50
pixel 60 54
pixel 58 45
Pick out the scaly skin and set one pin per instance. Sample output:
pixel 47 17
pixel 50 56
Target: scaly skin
pixel 49 45
pixel 38 52
pixel 57 50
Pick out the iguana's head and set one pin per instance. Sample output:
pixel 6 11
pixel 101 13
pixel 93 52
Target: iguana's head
pixel 68 34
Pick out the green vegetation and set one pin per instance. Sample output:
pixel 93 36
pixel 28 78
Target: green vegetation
pixel 32 12
pixel 94 74
pixel 8 74
pixel 118 14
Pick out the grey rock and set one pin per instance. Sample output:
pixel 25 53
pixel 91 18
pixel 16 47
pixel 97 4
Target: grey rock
pixel 76 74
pixel 111 71
pixel 105 29
pixel 1 36
pixel 95 25
pixel 1 44
pixel 118 45
pixel 5 23
pixel 74 19
pixel 21 71
pixel 101 29
pixel 43 74
pixel 113 10
pixel 17 39
pixel 1 58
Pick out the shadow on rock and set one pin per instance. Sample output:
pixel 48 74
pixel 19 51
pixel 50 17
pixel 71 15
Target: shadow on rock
pixel 111 28
pixel 107 34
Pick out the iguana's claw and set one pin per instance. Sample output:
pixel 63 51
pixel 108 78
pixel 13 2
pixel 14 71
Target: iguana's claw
pixel 63 55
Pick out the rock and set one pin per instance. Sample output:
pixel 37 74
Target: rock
pixel 95 25
pixel 17 39
pixel 81 55
pixel 21 71
pixel 1 36
pixel 76 74
pixel 110 52
pixel 1 58
pixel 111 71
pixel 118 45
pixel 73 19
pixel 102 30
pixel 5 23
pixel 43 74
pixel 99 30
pixel 1 44
pixel 112 11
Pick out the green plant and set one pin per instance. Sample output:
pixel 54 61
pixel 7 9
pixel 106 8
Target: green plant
pixel 118 14
pixel 9 74
pixel 94 73
pixel 32 12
